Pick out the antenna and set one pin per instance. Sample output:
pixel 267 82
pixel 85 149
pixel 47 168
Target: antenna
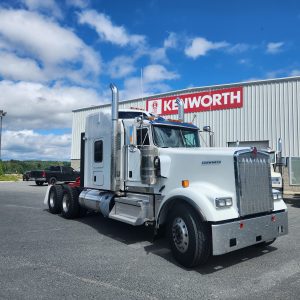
pixel 194 117
pixel 142 84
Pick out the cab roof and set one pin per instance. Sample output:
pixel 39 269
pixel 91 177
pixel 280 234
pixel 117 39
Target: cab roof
pixel 167 122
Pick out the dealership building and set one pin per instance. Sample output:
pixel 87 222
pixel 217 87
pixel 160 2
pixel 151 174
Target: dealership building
pixel 254 113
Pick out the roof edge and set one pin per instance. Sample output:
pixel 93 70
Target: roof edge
pixel 187 90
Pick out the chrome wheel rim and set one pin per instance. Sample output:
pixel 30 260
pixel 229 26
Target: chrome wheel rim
pixel 51 199
pixel 180 235
pixel 65 203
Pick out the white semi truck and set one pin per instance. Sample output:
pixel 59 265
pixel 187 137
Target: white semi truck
pixel 145 170
pixel 277 181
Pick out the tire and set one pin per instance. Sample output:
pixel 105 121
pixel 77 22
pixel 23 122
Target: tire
pixel 55 199
pixel 52 180
pixel 188 236
pixel 70 204
pixel 39 183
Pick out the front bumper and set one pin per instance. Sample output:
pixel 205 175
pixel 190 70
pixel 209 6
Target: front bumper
pixel 231 236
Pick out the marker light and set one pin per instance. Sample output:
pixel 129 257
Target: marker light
pixel 254 151
pixel 185 183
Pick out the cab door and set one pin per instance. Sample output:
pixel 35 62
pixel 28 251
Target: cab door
pixel 98 175
pixel 133 169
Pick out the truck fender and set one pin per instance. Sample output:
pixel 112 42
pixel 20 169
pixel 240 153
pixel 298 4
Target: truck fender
pixel 202 198
pixel 168 204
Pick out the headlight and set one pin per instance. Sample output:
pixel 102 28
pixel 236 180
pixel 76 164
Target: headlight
pixel 276 180
pixel 223 202
pixel 277 195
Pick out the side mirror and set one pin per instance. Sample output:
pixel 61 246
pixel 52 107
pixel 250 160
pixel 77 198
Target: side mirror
pixel 132 148
pixel 206 128
pixel 139 119
pixel 211 134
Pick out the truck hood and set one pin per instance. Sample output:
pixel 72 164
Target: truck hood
pixel 209 167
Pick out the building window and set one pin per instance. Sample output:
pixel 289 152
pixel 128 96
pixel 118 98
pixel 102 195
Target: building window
pixel 98 151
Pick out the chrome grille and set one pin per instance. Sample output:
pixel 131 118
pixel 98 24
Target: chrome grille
pixel 253 180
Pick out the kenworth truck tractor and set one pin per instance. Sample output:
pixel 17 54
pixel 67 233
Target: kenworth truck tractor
pixel 147 170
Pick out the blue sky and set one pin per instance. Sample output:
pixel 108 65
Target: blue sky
pixel 56 56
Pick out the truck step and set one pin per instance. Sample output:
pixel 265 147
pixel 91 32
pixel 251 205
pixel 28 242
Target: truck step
pixel 126 219
pixel 131 212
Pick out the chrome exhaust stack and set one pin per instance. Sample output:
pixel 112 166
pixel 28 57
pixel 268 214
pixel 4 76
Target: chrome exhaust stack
pixel 180 105
pixel 114 119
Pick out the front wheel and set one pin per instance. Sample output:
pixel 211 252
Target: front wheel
pixel 188 236
pixel 39 182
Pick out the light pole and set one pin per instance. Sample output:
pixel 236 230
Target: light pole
pixel 2 114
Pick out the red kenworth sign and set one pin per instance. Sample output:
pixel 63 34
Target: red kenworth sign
pixel 197 102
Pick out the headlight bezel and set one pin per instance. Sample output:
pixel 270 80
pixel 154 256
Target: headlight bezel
pixel 277 195
pixel 223 202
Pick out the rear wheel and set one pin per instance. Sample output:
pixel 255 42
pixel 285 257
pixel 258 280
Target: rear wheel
pixel 55 199
pixel 188 236
pixel 70 204
pixel 39 182
pixel 52 180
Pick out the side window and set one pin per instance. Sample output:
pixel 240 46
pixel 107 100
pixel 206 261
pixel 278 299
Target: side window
pixel 68 170
pixel 98 151
pixel 142 137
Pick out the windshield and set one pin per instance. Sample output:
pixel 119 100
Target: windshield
pixel 272 157
pixel 167 136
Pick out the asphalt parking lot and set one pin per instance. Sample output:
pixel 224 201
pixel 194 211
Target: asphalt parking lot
pixel 44 256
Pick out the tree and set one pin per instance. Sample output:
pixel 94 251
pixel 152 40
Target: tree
pixel 1 168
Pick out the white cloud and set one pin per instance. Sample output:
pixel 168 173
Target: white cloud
pixel 283 73
pixel 121 66
pixel 160 54
pixel 107 31
pixel 36 106
pixel 28 144
pixel 200 46
pixel 17 68
pixel 171 41
pixel 133 89
pixel 47 6
pixel 239 48
pixel 155 73
pixel 154 77
pixel 78 3
pixel 245 61
pixel 57 49
pixel 295 73
pixel 274 48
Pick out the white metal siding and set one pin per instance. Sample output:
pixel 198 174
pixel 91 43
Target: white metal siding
pixel 270 110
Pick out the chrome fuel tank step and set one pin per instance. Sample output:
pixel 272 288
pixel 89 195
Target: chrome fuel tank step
pixel 96 200
pixel 134 209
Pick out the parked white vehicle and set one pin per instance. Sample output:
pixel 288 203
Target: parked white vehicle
pixel 277 182
pixel 150 170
